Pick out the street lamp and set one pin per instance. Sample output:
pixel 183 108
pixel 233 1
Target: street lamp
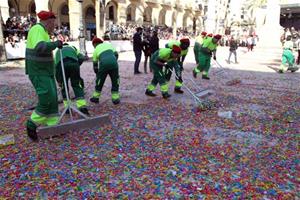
pixel 81 30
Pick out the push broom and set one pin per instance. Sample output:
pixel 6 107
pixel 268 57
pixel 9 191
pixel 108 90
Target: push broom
pixel 231 82
pixel 72 125
pixel 201 104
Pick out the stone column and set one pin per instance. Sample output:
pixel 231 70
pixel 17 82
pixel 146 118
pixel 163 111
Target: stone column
pixel 41 5
pixel 74 18
pixel 98 13
pixel 210 22
pixel 270 32
pixel 139 18
pixel 4 9
pixel 3 57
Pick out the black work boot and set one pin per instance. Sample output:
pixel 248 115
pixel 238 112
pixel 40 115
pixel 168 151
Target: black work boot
pixel 84 111
pixel 166 95
pixel 116 101
pixel 150 93
pixel 31 131
pixel 94 100
pixel 194 74
pixel 178 90
pixel 205 77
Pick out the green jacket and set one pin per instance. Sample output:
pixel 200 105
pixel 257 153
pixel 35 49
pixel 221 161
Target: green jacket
pixel 177 43
pixel 71 52
pixel 38 56
pixel 105 56
pixel 163 55
pixel 208 46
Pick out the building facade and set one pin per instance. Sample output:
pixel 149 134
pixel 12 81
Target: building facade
pixel 97 14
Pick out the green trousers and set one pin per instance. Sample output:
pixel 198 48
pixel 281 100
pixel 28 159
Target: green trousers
pixel 158 78
pixel 46 112
pixel 196 51
pixel 204 63
pixel 72 72
pixel 288 58
pixel 174 65
pixel 114 77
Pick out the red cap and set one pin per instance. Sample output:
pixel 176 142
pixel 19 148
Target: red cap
pixel 97 41
pixel 218 36
pixel 44 15
pixel 203 33
pixel 176 49
pixel 185 40
pixel 210 35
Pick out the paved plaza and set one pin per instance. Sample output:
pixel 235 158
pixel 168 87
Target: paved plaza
pixel 245 147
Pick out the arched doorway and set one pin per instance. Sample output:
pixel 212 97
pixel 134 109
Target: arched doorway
pixel 147 17
pixel 32 8
pixel 13 8
pixel 187 22
pixel 130 13
pixel 162 17
pixel 111 12
pixel 90 21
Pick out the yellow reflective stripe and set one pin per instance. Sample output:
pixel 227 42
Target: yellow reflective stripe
pixel 151 87
pixel 38 119
pixel 80 103
pixel 98 81
pixel 164 87
pixel 197 70
pixel 51 121
pixel 65 103
pixel 115 95
pixel 205 73
pixel 96 94
pixel 160 73
pixel 178 83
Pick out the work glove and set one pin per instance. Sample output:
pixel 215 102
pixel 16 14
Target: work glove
pixel 215 58
pixel 95 67
pixel 59 44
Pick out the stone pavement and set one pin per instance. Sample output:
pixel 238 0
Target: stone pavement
pixel 247 147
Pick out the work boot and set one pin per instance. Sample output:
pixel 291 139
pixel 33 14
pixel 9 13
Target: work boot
pixel 205 77
pixel 84 111
pixel 178 90
pixel 166 95
pixel 150 93
pixel 31 131
pixel 293 69
pixel 94 100
pixel 194 74
pixel 280 71
pixel 116 101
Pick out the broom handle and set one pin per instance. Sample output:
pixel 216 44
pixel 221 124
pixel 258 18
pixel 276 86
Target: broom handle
pixel 65 82
pixel 188 89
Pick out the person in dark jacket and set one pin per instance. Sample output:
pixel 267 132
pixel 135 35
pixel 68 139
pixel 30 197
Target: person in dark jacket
pixel 137 48
pixel 146 50
pixel 154 42
pixel 232 49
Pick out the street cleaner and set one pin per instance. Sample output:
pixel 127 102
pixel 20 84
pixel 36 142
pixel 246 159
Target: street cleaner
pixel 288 58
pixel 72 59
pixel 39 66
pixel 157 63
pixel 207 50
pixel 105 62
pixel 177 65
pixel 198 42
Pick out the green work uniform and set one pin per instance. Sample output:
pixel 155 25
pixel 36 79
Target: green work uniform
pixel 177 65
pixel 39 66
pixel 72 59
pixel 288 59
pixel 198 43
pixel 207 49
pixel 105 60
pixel 163 55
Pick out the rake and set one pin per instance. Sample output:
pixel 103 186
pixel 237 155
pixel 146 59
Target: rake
pixel 72 125
pixel 202 104
pixel 223 70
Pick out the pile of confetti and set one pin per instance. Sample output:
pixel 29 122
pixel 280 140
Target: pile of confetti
pixel 159 149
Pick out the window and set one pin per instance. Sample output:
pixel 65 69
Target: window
pixel 111 13
pixel 64 10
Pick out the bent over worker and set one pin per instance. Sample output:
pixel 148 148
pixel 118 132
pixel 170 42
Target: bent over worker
pixel 177 65
pixel 157 63
pixel 72 59
pixel 105 62
pixel 198 43
pixel 207 50
pixel 39 66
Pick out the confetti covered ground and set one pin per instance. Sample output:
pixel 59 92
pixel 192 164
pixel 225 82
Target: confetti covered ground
pixel 246 147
